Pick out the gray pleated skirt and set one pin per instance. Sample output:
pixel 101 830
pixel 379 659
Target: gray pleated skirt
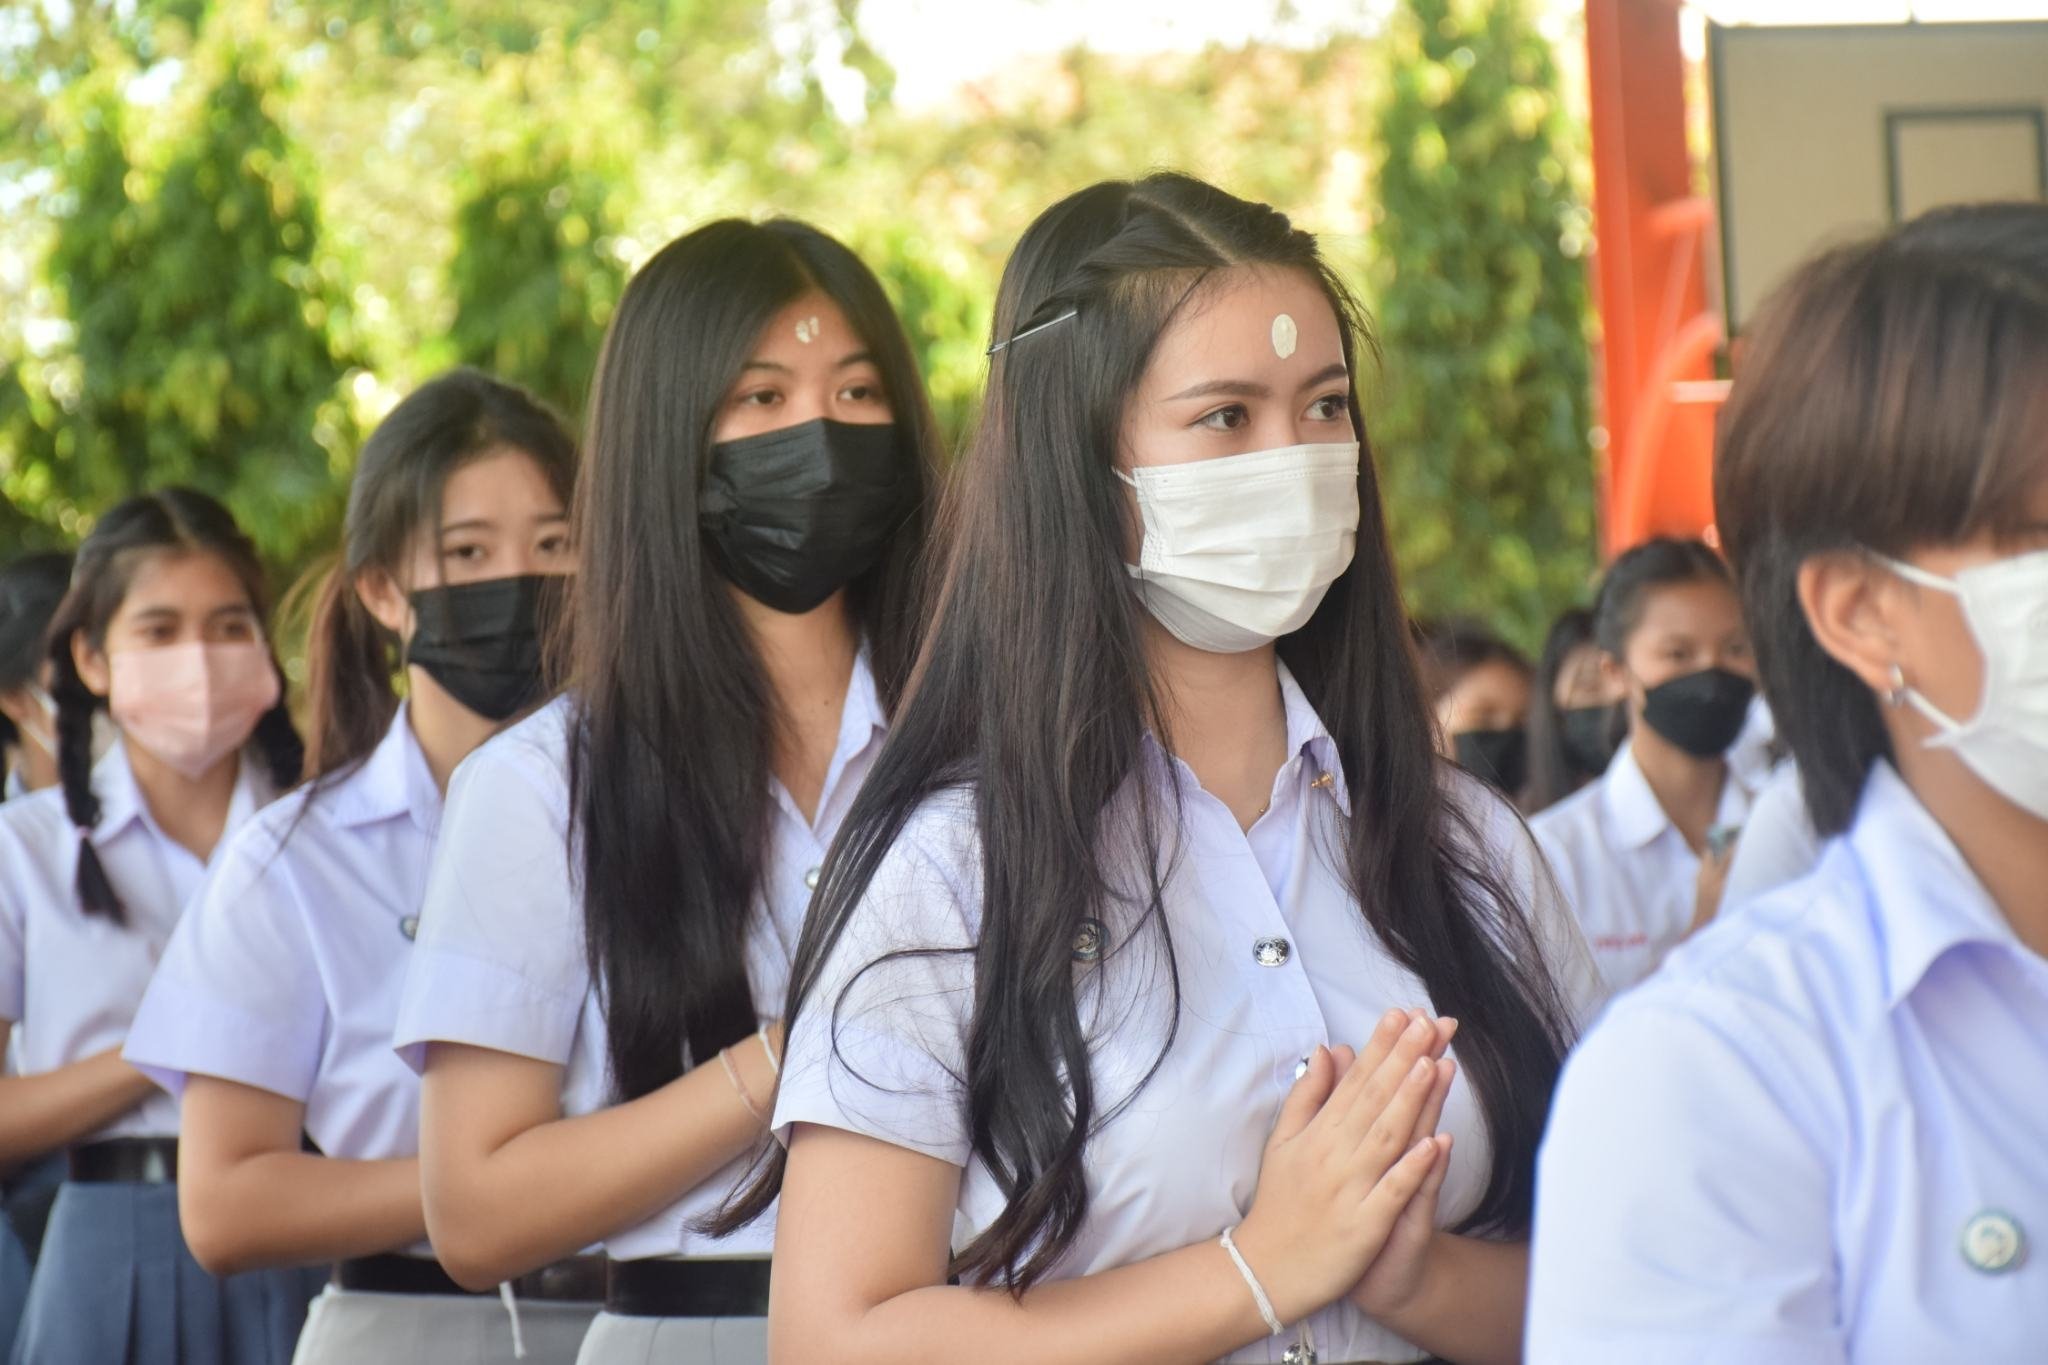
pixel 616 1340
pixel 351 1327
pixel 116 1285
pixel 14 1270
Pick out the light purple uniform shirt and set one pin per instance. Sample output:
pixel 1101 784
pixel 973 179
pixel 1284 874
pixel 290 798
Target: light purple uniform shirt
pixel 1808 1137
pixel 1273 958
pixel 69 982
pixel 286 970
pixel 500 961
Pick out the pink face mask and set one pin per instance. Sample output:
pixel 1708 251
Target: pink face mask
pixel 192 705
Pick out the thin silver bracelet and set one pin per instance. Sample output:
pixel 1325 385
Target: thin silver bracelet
pixel 1273 1323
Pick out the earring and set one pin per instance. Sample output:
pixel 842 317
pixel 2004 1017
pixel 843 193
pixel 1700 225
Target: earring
pixel 1897 696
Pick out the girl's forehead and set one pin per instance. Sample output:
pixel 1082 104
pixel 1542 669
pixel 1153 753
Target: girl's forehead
pixel 1256 321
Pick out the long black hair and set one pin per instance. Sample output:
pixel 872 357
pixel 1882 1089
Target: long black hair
pixel 174 521
pixel 30 589
pixel 1893 395
pixel 674 717
pixel 394 496
pixel 1033 693
pixel 1636 575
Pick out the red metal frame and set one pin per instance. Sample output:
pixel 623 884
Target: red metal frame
pixel 1660 332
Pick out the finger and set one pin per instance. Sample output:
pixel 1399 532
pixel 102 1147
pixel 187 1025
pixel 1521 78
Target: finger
pixel 1305 1097
pixel 1392 1130
pixel 1433 1107
pixel 1358 1105
pixel 1393 1192
pixel 1383 1038
pixel 1344 1055
pixel 1389 1034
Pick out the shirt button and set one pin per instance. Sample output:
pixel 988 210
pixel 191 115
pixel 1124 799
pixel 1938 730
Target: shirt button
pixel 811 879
pixel 410 927
pixel 1272 952
pixel 1088 940
pixel 1993 1242
pixel 1300 1353
pixel 1301 1068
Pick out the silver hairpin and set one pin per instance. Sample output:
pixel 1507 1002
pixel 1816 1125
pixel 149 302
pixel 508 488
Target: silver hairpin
pixel 1050 322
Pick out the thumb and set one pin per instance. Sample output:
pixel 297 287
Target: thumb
pixel 1307 1096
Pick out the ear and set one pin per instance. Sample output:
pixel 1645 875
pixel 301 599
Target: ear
pixel 1848 601
pixel 1613 678
pixel 92 666
pixel 385 601
pixel 18 704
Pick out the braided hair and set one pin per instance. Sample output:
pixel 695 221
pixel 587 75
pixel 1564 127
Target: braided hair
pixel 175 521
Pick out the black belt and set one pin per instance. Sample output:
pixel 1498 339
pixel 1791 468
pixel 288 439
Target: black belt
pixel 126 1161
pixel 580 1279
pixel 687 1289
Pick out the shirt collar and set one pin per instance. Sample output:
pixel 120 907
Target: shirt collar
pixel 1636 817
pixel 1308 739
pixel 1923 896
pixel 121 803
pixel 393 781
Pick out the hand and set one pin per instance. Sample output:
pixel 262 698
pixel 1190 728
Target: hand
pixel 1343 1164
pixel 1398 1273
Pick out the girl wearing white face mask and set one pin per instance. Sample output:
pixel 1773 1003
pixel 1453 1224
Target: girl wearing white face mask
pixel 1835 1100
pixel 30 589
pixel 163 626
pixel 1127 995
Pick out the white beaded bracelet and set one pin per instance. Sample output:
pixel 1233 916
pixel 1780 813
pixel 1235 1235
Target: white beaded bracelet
pixel 1273 1323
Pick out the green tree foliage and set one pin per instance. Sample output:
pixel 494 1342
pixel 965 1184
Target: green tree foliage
pixel 200 350
pixel 533 278
pixel 1482 428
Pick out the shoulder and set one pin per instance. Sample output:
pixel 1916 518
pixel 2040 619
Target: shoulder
pixel 926 888
pixel 528 760
pixel 32 820
pixel 37 840
pixel 1572 820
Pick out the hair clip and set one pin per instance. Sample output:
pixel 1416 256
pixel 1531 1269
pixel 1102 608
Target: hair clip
pixel 1050 322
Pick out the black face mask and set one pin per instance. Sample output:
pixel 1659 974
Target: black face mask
pixel 1588 735
pixel 481 641
pixel 1702 712
pixel 1497 756
pixel 795 515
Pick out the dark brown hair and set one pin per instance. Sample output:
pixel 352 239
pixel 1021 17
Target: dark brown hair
pixel 674 716
pixel 394 497
pixel 1033 692
pixel 1893 394
pixel 173 521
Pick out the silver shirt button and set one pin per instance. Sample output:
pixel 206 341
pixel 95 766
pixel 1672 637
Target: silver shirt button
pixel 410 927
pixel 811 879
pixel 1088 940
pixel 1300 1353
pixel 1272 952
pixel 1993 1242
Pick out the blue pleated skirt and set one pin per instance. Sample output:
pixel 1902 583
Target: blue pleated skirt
pixel 116 1285
pixel 26 1197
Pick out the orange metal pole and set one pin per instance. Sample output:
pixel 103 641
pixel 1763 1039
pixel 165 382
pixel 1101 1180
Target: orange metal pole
pixel 1656 328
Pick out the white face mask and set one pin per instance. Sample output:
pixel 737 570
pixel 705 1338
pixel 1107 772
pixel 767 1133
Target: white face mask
pixel 2006 742
pixel 1239 551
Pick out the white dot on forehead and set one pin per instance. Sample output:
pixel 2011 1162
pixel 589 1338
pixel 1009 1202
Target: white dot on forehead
pixel 807 330
pixel 1285 335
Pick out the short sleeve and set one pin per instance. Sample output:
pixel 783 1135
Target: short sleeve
pixel 1683 1209
pixel 499 959
pixel 237 993
pixel 879 1047
pixel 13 929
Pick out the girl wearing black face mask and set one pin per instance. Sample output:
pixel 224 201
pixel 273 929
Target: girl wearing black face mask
pixel 621 879
pixel 1575 723
pixel 1642 852
pixel 270 1013
pixel 1479 687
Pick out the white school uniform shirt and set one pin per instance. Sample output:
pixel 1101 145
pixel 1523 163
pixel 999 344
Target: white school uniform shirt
pixel 1624 868
pixel 71 982
pixel 1819 1135
pixel 500 959
pixel 286 970
pixel 1274 959
pixel 1778 843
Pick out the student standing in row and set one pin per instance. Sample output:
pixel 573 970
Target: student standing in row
pixel 30 589
pixel 1640 853
pixel 271 1012
pixel 1159 829
pixel 164 627
pixel 1818 1135
pixel 1574 723
pixel 1479 687
pixel 620 879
